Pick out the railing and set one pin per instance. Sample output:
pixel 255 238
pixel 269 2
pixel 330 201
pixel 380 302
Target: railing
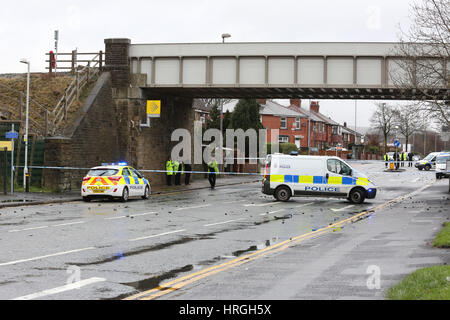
pixel 82 77
pixel 65 64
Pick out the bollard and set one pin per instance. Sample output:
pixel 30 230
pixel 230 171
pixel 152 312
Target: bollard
pixel 27 182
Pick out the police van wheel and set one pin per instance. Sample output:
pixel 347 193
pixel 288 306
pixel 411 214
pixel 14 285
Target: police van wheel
pixel 146 193
pixel 86 199
pixel 282 193
pixel 356 196
pixel 427 167
pixel 125 195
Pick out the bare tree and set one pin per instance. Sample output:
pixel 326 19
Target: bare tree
pixel 408 119
pixel 383 120
pixel 426 49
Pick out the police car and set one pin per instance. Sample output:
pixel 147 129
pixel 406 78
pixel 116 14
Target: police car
pixel 114 181
pixel 286 176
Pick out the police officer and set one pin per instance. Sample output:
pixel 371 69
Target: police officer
pixel 386 159
pixel 177 169
pixel 403 158
pixel 187 175
pixel 213 169
pixel 410 159
pixel 169 171
pixel 396 159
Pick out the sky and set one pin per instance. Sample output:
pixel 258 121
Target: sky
pixel 27 28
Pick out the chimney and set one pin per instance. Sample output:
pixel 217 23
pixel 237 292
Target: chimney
pixel 345 124
pixel 296 102
pixel 314 106
pixel 261 101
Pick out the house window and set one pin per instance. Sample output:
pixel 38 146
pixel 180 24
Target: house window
pixel 297 123
pixel 283 123
pixel 283 139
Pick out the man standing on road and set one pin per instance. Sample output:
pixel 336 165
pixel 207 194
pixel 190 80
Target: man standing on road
pixel 410 159
pixel 396 159
pixel 187 175
pixel 386 160
pixel 213 169
pixel 169 171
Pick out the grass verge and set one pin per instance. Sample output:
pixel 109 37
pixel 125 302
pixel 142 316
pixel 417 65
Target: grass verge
pixel 431 283
pixel 442 240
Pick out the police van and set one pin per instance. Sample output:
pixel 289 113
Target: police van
pixel 286 176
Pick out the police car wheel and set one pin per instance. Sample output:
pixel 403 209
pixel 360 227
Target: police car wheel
pixel 356 196
pixel 86 199
pixel 125 195
pixel 420 168
pixel 146 193
pixel 283 193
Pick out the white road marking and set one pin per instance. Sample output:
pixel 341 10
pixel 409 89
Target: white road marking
pixel 415 180
pixel 157 235
pixel 229 202
pixel 46 256
pixel 262 204
pixel 271 212
pixel 131 215
pixel 67 224
pixel 27 229
pixel 304 205
pixel 142 214
pixel 342 209
pixel 196 207
pixel 217 223
pixel 67 287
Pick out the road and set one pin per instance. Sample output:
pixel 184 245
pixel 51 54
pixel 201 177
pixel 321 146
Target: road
pixel 116 250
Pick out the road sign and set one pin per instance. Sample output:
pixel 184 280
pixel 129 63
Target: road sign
pixel 12 135
pixel 154 108
pixel 6 144
pixel 397 143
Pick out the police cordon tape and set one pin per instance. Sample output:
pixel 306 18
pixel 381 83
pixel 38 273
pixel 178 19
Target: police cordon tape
pixel 145 170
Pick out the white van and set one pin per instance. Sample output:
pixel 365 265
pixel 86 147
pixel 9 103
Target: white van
pixel 441 165
pixel 427 163
pixel 287 176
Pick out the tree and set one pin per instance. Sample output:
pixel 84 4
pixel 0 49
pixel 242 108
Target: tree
pixel 383 120
pixel 408 120
pixel 214 117
pixel 246 115
pixel 426 47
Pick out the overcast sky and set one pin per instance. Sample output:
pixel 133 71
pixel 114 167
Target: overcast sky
pixel 26 27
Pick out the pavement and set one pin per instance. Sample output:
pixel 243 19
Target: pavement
pixel 37 198
pixel 232 242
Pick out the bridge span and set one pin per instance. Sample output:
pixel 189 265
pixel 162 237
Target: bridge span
pixel 332 70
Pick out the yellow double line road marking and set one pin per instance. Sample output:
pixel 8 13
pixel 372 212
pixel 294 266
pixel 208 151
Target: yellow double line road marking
pixel 195 276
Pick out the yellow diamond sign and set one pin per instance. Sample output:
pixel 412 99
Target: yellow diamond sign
pixel 153 108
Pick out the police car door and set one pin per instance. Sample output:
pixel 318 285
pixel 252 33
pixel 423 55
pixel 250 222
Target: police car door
pixel 128 180
pixel 339 179
pixel 138 187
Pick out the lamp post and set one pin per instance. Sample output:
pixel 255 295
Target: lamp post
pixel 25 168
pixel 225 35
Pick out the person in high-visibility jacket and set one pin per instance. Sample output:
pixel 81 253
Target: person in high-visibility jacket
pixel 169 171
pixel 178 170
pixel 213 169
pixel 386 159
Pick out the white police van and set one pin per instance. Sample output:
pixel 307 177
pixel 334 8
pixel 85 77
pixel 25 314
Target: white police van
pixel 286 176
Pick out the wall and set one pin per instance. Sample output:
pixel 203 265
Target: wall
pixel 90 140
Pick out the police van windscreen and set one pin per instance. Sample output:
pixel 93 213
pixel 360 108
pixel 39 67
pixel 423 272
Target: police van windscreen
pixel 106 172
pixel 429 157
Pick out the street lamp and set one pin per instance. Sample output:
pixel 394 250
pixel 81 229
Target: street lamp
pixel 25 169
pixel 225 35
